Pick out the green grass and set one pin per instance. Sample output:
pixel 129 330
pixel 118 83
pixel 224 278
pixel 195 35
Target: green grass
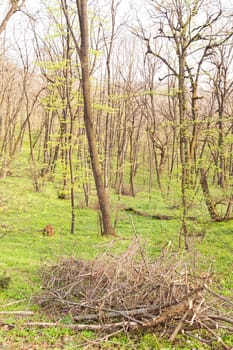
pixel 24 250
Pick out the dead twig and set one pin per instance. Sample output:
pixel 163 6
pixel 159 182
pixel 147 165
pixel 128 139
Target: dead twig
pixel 178 327
pixel 14 303
pixel 17 313
pixel 218 295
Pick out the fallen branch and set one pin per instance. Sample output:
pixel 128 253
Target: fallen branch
pixel 156 216
pixel 218 295
pixel 178 327
pixel 18 313
pixel 217 337
pixel 221 318
pixel 168 313
pixel 137 312
pixel 13 303
pixel 81 327
pixel 151 216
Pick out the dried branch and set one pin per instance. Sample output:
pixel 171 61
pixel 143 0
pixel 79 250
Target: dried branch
pixel 218 295
pixel 18 313
pixel 130 292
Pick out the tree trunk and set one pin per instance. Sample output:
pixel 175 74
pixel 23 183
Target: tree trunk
pixel 209 203
pixel 83 54
pixel 183 147
pixel 221 156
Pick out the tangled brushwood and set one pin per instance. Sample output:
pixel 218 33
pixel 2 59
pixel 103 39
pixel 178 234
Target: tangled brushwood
pixel 129 292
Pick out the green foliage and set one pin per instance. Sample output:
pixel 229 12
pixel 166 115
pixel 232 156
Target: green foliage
pixel 105 108
pixel 54 66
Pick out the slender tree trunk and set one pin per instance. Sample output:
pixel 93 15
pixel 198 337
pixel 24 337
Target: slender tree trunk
pixel 209 203
pixel 229 208
pixel 68 88
pixel 150 182
pixel 221 156
pixel 183 147
pixel 122 146
pixel 64 155
pixel 83 54
pixel 156 164
pixel 34 168
pixel 131 160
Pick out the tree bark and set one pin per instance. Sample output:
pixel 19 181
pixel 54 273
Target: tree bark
pixel 184 157
pixel 83 54
pixel 209 203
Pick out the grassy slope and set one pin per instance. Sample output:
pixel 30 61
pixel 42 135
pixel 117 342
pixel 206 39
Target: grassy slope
pixel 23 249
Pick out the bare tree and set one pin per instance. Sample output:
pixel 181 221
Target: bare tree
pixel 222 88
pixel 177 23
pixel 83 52
pixel 15 6
pixel 109 46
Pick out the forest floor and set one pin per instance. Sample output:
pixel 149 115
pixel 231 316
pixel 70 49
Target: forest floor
pixel 24 249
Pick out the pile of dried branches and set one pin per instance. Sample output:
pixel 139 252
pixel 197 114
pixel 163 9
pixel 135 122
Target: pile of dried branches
pixel 128 292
